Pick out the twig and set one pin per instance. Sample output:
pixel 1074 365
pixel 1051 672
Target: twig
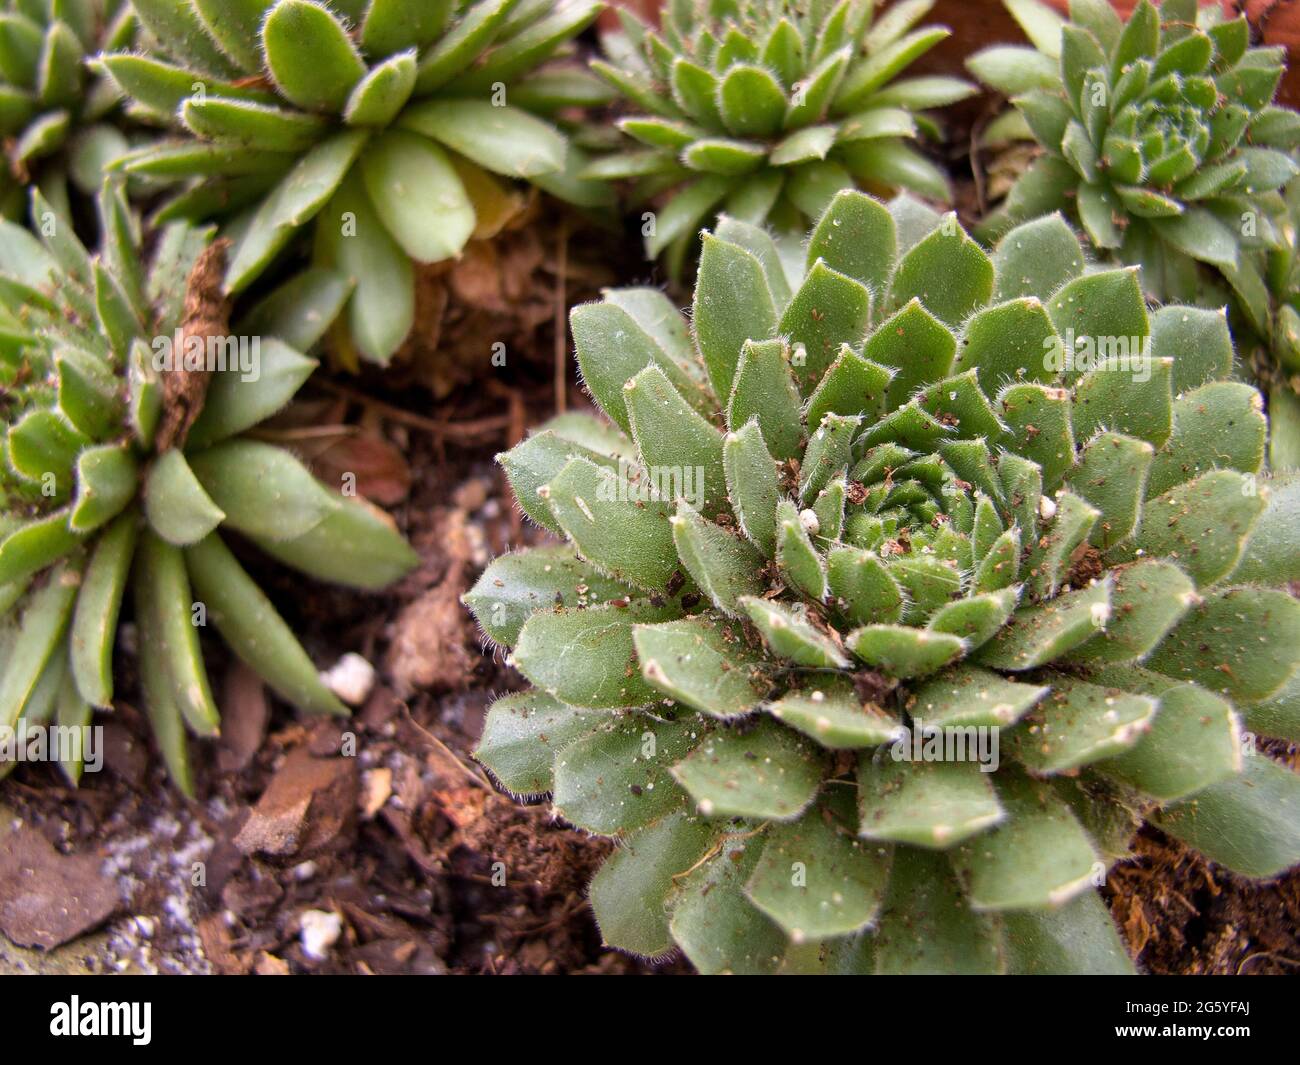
pixel 467 430
pixel 716 849
pixel 475 777
pixel 305 432
pixel 1265 954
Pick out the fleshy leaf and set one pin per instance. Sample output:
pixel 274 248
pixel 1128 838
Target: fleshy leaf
pixel 716 925
pixel 310 56
pixel 1079 723
pixel 1248 822
pixel 1193 743
pixel 789 633
pixel 764 389
pixel 1220 425
pixel 829 710
pixel 1042 256
pixel 752 485
pixel 948 272
pixel 1079 937
pixel 1148 599
pixel 923 803
pixel 262 490
pixel 618 526
pixel 863 587
pixel 1218 643
pixel 767 772
pixel 178 508
pixel 704 663
pixel 815 878
pixel 1043 633
pixel 856 237
pixel 732 305
pixel 617 778
pixel 1202 524
pixel 535 462
pixel 524 733
pixel 968 695
pixel 1038 856
pixel 629 893
pixel 796 557
pixel 676 443
pixel 905 652
pixel 586 657
pixel 94 623
pixel 1111 475
pixel 928 926
pixel 517 585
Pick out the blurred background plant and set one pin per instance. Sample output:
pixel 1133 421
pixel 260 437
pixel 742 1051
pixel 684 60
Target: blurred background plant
pixel 1159 134
pixel 128 456
pixel 765 109
pixel 387 134
pixel 60 121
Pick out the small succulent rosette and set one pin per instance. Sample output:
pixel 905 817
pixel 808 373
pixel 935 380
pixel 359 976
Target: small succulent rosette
pixel 1158 135
pixel 392 130
pixel 764 110
pixel 60 123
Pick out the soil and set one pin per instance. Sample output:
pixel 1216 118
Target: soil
pixel 379 829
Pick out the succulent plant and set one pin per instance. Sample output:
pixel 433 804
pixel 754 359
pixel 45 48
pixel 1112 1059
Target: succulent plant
pixel 1159 136
pixel 53 110
pixel 889 492
pixel 128 407
pixel 767 108
pixel 387 123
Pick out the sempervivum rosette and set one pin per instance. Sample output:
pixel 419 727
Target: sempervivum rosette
pixel 765 109
pixel 891 492
pixel 128 401
pixel 57 118
pixel 1159 136
pixel 391 129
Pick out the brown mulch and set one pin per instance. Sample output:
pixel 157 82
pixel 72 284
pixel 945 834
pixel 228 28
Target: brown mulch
pixel 382 822
pixel 1181 914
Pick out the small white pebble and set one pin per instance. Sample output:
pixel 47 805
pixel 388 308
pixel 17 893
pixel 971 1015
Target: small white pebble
pixel 320 931
pixel 809 521
pixel 350 678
